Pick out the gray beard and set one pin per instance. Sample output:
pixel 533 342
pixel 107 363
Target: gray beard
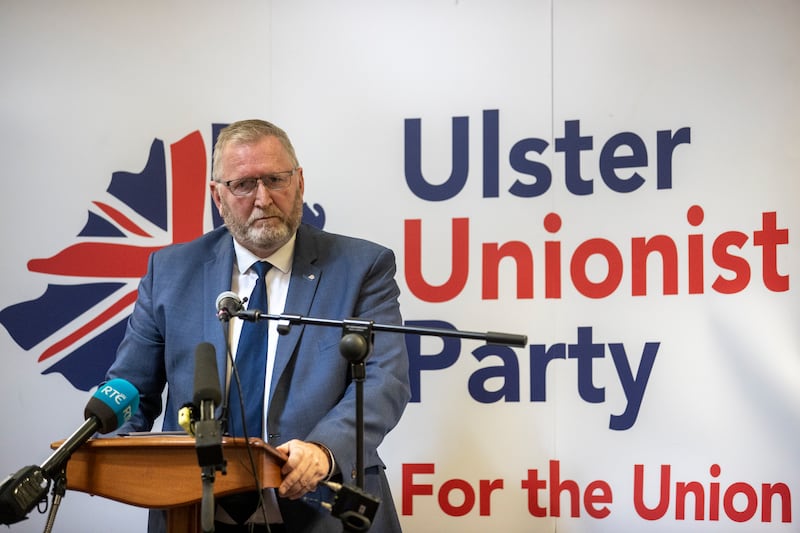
pixel 264 238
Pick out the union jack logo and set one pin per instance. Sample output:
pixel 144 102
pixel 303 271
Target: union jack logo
pixel 74 328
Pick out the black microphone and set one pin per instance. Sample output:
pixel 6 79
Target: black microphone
pixel 113 404
pixel 207 396
pixel 206 376
pixel 207 430
pixel 228 305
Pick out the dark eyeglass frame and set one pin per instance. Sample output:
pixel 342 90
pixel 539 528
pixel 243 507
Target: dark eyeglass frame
pixel 276 181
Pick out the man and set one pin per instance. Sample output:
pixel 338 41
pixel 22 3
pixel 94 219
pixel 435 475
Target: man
pixel 309 414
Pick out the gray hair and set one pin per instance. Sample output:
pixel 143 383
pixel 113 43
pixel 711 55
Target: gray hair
pixel 246 132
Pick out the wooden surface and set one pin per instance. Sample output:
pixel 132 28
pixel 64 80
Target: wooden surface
pixel 162 472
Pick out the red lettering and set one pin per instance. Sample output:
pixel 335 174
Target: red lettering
pixel 682 490
pixel 493 254
pixel 557 487
pixel 776 489
pixel 724 255
pixel 448 493
pixel 660 509
pixel 533 485
pixel 769 237
pixel 739 500
pixel 713 497
pixel 752 502
pixel 410 488
pixel 735 264
pixel 585 286
pixel 444 497
pixel 695 217
pixel 641 249
pixel 487 487
pixel 552 258
pixel 459 262
pixel 597 492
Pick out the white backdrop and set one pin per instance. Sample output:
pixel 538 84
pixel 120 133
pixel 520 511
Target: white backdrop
pixel 86 87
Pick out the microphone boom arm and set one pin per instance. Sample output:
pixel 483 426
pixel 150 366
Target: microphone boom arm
pixel 352 506
pixel 490 337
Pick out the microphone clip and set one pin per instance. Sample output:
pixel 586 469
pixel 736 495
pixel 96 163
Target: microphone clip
pixel 208 444
pixel 21 492
pixel 354 508
pixel 208 438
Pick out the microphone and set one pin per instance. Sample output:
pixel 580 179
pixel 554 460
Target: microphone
pixel 228 305
pixel 207 430
pixel 207 395
pixel 113 404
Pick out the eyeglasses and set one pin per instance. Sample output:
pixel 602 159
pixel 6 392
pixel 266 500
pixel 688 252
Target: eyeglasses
pixel 273 182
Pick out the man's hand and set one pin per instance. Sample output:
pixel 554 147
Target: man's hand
pixel 307 465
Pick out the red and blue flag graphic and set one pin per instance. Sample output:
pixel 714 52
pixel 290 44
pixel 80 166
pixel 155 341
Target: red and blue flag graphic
pixel 75 328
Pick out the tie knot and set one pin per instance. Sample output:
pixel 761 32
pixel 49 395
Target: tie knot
pixel 261 268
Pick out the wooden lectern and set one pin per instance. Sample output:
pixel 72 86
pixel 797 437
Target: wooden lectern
pixel 161 472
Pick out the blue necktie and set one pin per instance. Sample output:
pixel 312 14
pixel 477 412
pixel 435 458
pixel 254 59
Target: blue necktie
pixel 251 362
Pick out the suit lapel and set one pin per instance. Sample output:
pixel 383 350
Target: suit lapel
pixel 217 272
pixel 302 288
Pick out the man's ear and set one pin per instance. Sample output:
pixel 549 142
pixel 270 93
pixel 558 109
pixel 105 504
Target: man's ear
pixel 215 193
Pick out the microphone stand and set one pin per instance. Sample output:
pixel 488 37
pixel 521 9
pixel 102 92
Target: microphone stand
pixel 208 446
pixel 59 490
pixel 352 506
pixel 355 346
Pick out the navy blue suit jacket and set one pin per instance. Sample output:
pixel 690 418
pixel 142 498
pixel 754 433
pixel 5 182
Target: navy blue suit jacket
pixel 312 397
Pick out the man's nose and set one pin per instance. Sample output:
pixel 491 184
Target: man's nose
pixel 263 196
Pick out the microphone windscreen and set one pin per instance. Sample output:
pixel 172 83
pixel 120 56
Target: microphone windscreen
pixel 113 404
pixel 229 301
pixel 206 377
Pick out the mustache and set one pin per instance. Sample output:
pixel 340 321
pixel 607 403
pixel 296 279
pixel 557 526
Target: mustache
pixel 263 213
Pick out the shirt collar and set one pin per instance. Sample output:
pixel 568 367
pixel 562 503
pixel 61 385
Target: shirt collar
pixel 281 259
